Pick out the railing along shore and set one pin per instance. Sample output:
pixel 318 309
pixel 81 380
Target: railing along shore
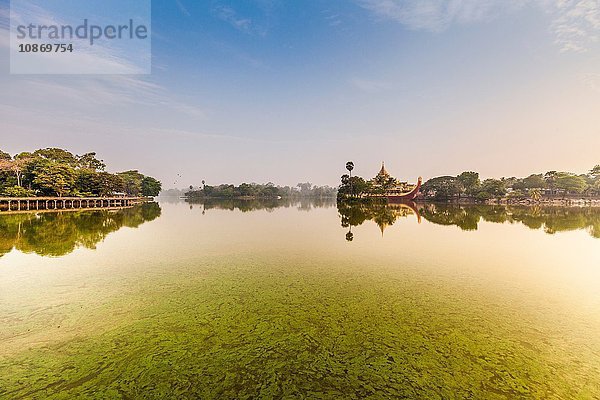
pixel 66 203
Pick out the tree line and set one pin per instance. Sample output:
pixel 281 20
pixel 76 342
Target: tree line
pixel 58 172
pixel 468 185
pixel 260 191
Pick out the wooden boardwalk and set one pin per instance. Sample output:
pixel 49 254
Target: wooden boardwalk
pixel 65 203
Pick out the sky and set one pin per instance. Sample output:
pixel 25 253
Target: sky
pixel 288 91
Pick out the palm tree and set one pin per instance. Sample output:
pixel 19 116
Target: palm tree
pixel 535 194
pixel 350 167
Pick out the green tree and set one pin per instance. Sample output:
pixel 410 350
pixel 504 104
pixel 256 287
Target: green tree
pixel 345 179
pixel 106 184
pixel 511 182
pixel 441 188
pixel 85 182
pixel 483 195
pixel 17 191
pixel 95 183
pixel 468 182
pixel 358 185
pixel 353 186
pixel 89 161
pixel 58 155
pixel 55 178
pixel 150 187
pixel 570 183
pixel 57 171
pixel 132 182
pixel 268 191
pixel 535 181
pixel 247 190
pixel 495 188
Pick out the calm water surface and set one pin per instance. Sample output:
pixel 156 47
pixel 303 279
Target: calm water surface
pixel 253 300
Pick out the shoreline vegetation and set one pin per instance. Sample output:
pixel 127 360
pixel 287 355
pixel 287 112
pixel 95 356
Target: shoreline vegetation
pixel 55 172
pixel 253 191
pixel 552 188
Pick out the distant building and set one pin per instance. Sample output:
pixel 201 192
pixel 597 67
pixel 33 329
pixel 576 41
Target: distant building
pixel 388 186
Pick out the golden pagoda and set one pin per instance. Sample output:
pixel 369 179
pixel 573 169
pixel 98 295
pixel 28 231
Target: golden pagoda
pixel 390 187
pixel 383 174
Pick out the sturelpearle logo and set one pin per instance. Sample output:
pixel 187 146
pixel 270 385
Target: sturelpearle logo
pixel 80 37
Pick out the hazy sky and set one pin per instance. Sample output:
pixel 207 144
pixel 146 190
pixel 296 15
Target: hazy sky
pixel 288 91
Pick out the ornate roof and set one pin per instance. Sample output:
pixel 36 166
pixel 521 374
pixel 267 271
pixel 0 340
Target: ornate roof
pixel 382 171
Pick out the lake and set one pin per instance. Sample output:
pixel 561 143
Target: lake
pixel 249 299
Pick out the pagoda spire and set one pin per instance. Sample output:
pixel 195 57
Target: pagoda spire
pixel 383 170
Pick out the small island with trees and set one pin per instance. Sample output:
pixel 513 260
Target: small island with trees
pixel 251 191
pixel 552 187
pixel 55 172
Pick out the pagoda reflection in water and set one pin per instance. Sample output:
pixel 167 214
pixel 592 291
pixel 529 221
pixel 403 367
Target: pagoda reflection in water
pixel 550 219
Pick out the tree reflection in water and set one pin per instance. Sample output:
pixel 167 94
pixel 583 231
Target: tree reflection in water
pixel 60 233
pixel 468 217
pixel 383 215
pixel 245 205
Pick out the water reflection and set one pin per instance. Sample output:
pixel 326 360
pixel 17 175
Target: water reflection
pixel 303 204
pixel 275 304
pixel 468 217
pixel 59 233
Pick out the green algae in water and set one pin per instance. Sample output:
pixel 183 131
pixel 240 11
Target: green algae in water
pixel 207 303
pixel 260 330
